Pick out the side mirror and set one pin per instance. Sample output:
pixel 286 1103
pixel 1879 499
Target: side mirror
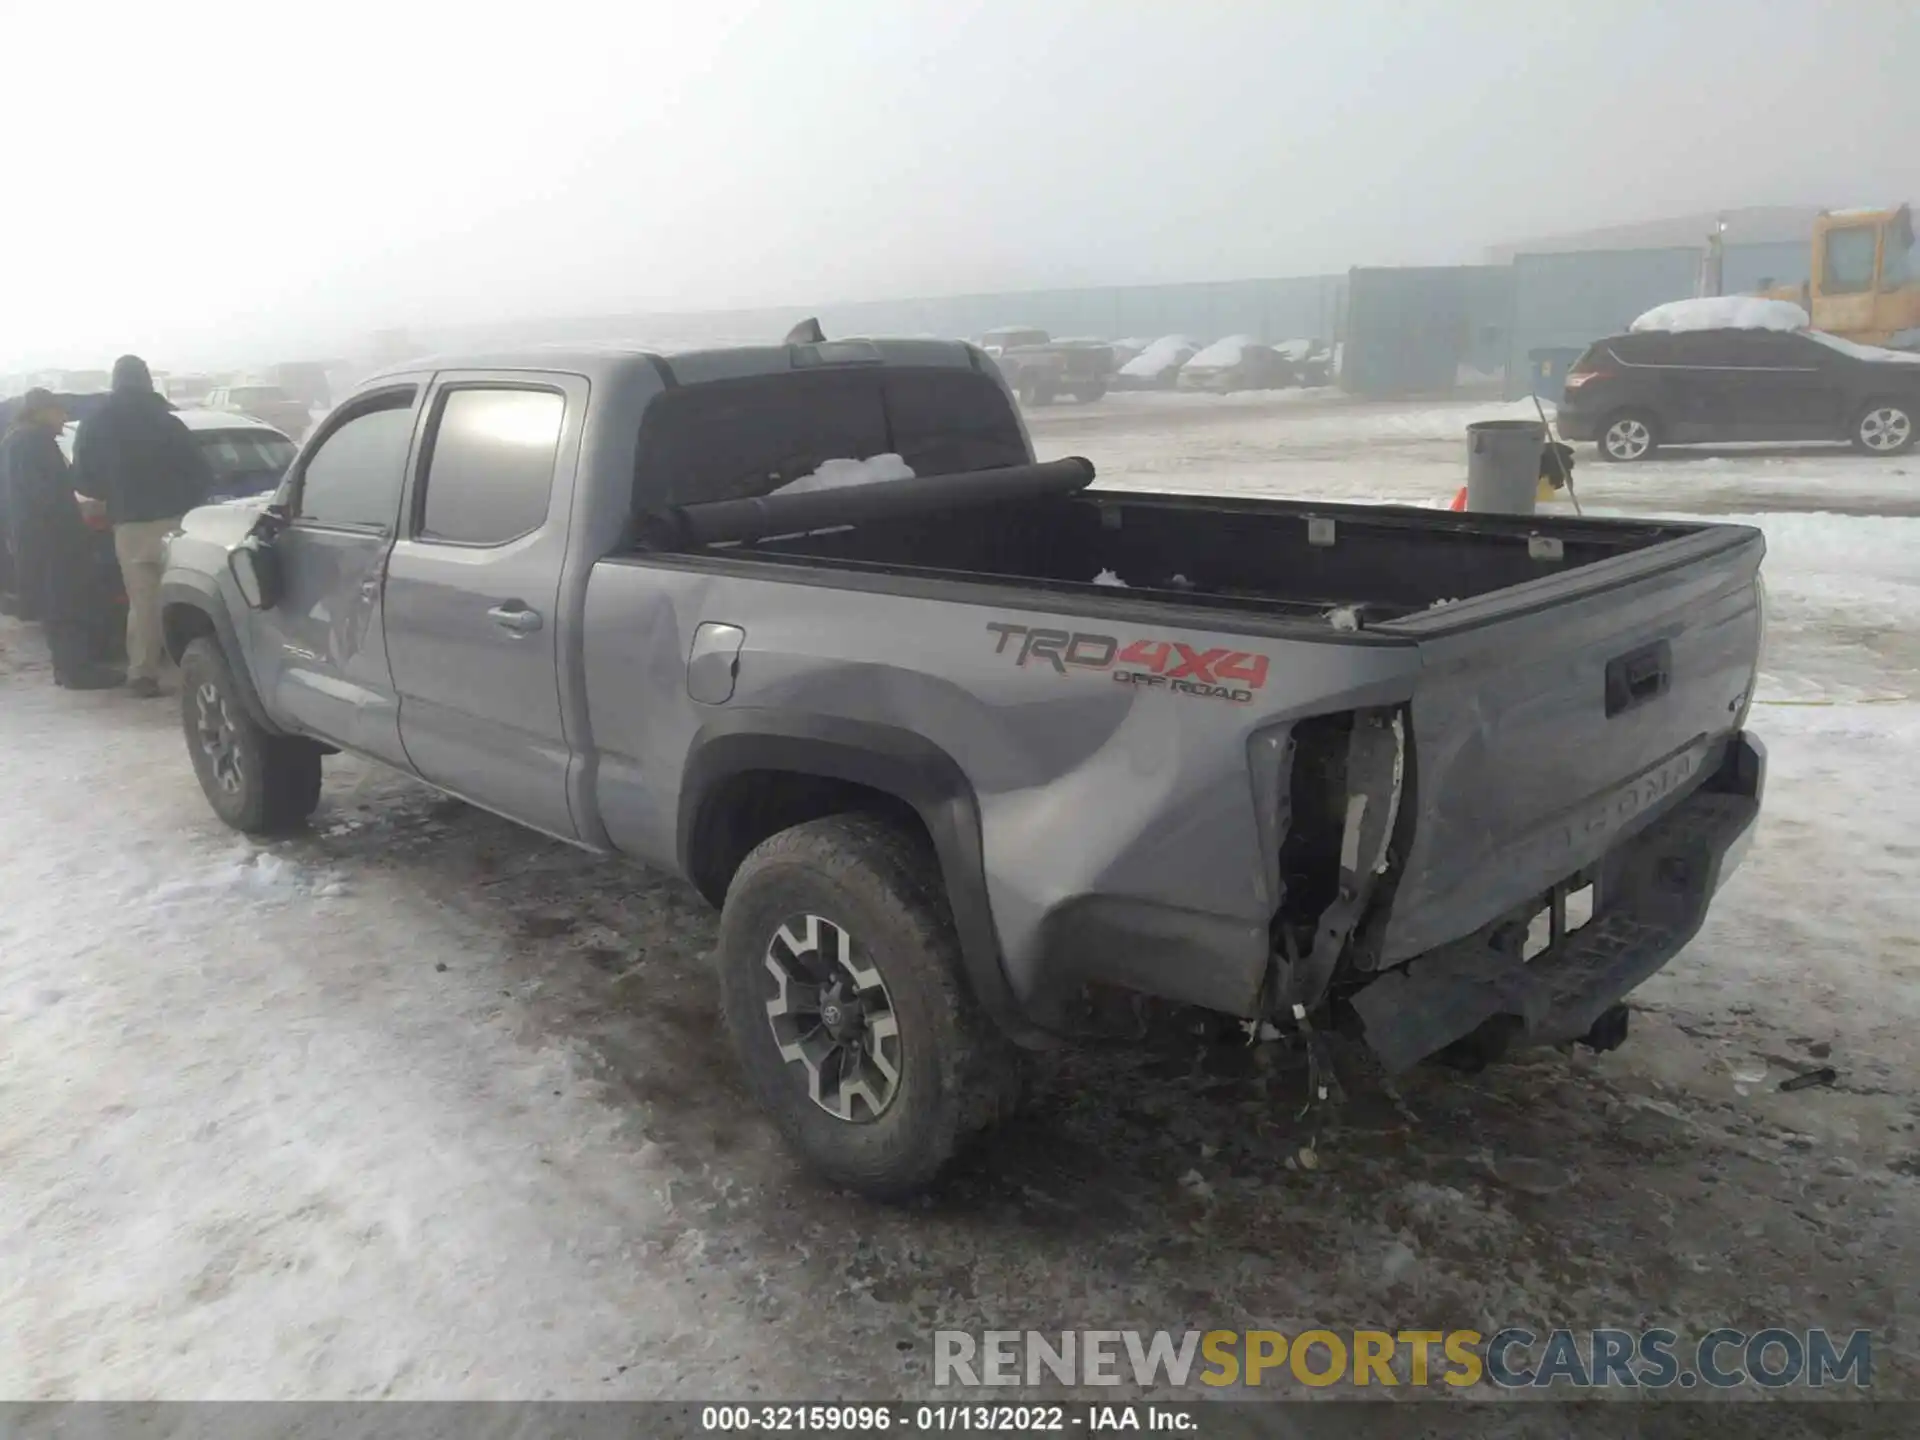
pixel 256 572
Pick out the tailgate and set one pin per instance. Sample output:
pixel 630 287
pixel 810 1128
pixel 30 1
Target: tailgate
pixel 1554 719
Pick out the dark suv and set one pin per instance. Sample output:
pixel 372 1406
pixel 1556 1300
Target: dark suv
pixel 1633 393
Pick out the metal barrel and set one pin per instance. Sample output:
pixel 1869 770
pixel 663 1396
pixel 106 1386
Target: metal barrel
pixel 1503 465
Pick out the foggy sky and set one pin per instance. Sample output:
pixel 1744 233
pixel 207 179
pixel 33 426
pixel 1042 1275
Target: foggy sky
pixel 211 182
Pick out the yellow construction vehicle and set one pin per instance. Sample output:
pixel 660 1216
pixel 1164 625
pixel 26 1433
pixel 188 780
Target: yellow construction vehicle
pixel 1865 281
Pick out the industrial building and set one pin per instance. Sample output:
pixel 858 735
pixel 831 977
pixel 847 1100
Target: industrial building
pixel 1406 330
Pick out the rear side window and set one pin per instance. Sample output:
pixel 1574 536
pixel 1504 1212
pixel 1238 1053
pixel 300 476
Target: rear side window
pixel 234 454
pixel 490 469
pixel 1642 349
pixel 733 439
pixel 353 478
pixel 1713 349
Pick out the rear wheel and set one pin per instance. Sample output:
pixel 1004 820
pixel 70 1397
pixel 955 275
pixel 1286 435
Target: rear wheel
pixel 1628 436
pixel 840 979
pixel 1885 427
pixel 1087 394
pixel 256 781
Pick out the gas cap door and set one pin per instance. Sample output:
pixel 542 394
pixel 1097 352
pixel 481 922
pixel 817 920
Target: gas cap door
pixel 714 662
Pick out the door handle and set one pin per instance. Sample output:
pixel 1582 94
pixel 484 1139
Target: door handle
pixel 516 617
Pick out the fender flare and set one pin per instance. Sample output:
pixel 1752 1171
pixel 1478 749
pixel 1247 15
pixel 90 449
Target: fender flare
pixel 888 759
pixel 203 595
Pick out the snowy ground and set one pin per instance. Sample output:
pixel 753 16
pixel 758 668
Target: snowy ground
pixel 419 1105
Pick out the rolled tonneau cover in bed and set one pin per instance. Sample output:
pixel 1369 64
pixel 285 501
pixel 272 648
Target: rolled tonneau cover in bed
pixel 756 518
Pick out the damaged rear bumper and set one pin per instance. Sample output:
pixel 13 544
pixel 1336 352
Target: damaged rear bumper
pixel 1651 895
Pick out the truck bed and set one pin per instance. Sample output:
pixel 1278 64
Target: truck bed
pixel 1373 564
pixel 1472 713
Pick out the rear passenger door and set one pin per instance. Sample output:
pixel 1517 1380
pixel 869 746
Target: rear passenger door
pixel 475 625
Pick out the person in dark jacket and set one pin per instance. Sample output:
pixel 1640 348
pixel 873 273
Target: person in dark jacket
pixel 49 539
pixel 136 457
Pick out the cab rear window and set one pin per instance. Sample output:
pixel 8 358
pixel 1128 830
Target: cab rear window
pixel 739 438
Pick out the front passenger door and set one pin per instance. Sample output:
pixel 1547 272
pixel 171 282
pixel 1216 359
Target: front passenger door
pixel 321 653
pixel 1792 388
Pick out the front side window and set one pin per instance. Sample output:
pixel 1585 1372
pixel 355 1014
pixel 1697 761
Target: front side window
pixel 490 472
pixel 1849 267
pixel 353 479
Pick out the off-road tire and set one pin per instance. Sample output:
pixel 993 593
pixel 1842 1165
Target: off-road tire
pixel 277 779
pixel 1649 429
pixel 1885 427
pixel 1089 394
pixel 880 884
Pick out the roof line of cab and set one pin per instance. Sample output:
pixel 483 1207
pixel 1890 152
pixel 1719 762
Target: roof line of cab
pixel 698 366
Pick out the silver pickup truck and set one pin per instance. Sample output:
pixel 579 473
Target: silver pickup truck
pixel 952 751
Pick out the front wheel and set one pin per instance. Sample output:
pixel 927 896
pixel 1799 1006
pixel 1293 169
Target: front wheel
pixel 1627 437
pixel 840 980
pixel 1885 427
pixel 257 782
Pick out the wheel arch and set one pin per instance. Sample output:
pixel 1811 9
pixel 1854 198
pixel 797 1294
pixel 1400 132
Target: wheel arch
pixel 750 775
pixel 189 612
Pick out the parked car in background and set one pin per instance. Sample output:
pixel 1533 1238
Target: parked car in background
pixel 1631 394
pixel 247 458
pixel 186 390
pixel 1238 362
pixel 1040 369
pixel 268 403
pixel 1158 366
pixel 306 381
pixel 1314 361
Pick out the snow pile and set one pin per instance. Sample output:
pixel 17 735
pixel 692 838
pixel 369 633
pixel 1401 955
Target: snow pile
pixel 1107 577
pixel 1222 354
pixel 1876 354
pixel 835 474
pixel 1169 352
pixel 248 875
pixel 1724 312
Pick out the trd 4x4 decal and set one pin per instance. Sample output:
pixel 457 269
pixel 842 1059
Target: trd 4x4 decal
pixel 1161 664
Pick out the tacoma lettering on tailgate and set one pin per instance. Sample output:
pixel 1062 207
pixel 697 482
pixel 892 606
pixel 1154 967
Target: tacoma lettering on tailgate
pixel 1219 673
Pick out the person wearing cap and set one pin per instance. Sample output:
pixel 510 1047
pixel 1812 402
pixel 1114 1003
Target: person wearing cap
pixel 137 458
pixel 48 538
